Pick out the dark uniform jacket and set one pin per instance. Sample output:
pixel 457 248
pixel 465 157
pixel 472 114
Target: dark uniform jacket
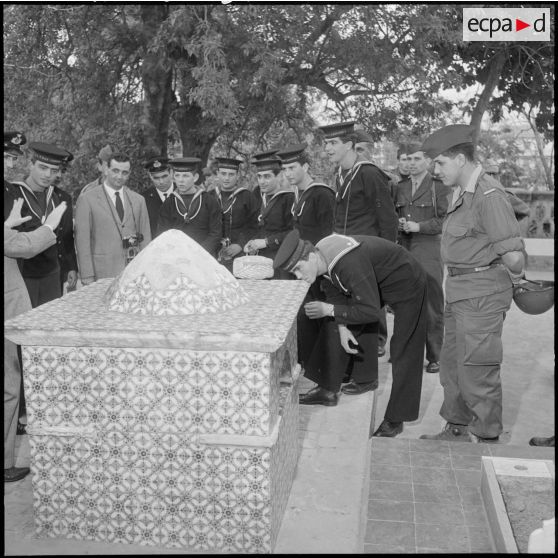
pixel 363 202
pixel 154 203
pixel 196 215
pixel 313 212
pixel 428 206
pixel 374 273
pixel 275 221
pixel 239 211
pixel 61 255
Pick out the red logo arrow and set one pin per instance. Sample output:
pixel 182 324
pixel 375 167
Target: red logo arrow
pixel 519 25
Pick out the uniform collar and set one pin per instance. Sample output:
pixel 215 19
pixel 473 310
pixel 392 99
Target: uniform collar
pixel 334 247
pixel 469 187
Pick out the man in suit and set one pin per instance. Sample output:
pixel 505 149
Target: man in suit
pixel 102 161
pixel 402 170
pixel 112 224
pixel 16 301
pixel 421 203
pixel 161 174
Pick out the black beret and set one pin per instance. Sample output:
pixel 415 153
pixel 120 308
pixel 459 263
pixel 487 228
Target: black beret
pixel 48 153
pixel 156 164
pixel 228 163
pixel 185 164
pixel 292 153
pixel 13 141
pixel 445 138
pixel 339 130
pixel 289 252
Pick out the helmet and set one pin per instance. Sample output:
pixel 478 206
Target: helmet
pixel 534 297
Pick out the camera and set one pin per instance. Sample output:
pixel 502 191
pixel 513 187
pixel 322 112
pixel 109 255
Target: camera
pixel 131 246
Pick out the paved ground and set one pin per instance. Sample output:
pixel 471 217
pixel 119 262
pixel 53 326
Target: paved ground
pixel 351 495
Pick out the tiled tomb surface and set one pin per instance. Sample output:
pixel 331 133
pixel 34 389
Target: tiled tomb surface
pixel 162 430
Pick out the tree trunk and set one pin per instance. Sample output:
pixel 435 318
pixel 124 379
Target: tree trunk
pixel 540 150
pixel 494 71
pixel 156 72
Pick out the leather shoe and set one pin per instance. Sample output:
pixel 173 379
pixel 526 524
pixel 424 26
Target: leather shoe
pixel 388 429
pixel 346 379
pixel 319 396
pixel 15 473
pixel 352 388
pixel 451 433
pixel 433 367
pixel 20 431
pixel 381 351
pixel 545 442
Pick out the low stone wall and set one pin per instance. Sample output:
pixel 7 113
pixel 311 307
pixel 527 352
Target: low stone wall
pixel 540 223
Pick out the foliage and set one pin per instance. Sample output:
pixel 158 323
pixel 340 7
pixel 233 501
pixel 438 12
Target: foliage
pixel 235 79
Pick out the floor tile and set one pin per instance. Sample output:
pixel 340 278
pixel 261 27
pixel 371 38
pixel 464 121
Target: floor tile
pixel 439 513
pixel 436 493
pixel 398 533
pixel 527 452
pixel 392 456
pixel 451 538
pixel 480 539
pixel 390 443
pixel 430 446
pixel 469 462
pixel 467 478
pixel 432 475
pixel 475 515
pixel 470 495
pixel 390 510
pixel 420 459
pixel 382 490
pixel 388 549
pixel 393 473
pixel 462 448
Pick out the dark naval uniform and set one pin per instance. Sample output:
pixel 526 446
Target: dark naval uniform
pixel 363 202
pixel 479 228
pixel 313 215
pixel 427 207
pixel 239 217
pixel 275 220
pixel 154 203
pixel 42 272
pixel 364 205
pixel 313 212
pixel 365 273
pixel 197 215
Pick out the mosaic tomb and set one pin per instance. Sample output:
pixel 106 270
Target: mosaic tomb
pixel 162 406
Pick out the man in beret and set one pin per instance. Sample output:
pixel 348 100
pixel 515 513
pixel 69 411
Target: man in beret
pixel 112 224
pixel 363 203
pixel 421 203
pixel 102 161
pixel 275 217
pixel 191 209
pixel 161 175
pixel 482 249
pixel 362 273
pixel 239 210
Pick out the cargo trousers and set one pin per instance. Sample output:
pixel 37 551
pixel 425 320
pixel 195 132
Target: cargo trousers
pixel 470 362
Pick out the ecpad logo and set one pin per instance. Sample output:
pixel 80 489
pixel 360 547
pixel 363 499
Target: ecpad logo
pixel 506 24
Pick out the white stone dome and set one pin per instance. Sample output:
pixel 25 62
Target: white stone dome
pixel 173 275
